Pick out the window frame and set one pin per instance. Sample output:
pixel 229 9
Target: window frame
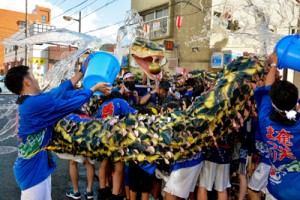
pixel 44 18
pixel 164 23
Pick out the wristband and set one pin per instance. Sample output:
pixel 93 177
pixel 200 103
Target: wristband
pixel 273 65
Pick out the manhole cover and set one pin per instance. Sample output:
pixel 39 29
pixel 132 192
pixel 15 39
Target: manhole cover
pixel 7 149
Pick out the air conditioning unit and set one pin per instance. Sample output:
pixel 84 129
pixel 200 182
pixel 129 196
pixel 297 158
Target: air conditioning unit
pixel 173 62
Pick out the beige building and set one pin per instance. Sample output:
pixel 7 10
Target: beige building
pixel 161 16
pixel 215 28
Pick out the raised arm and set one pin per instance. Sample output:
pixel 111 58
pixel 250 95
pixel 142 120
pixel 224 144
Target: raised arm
pixel 76 78
pixel 270 79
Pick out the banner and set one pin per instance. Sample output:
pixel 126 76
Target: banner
pixel 156 26
pixel 180 70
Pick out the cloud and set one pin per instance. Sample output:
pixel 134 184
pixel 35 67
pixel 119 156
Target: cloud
pixel 91 22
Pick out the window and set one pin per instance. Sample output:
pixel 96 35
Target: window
pixel 39 28
pixel 22 24
pixel 157 23
pixel 293 30
pixel 44 18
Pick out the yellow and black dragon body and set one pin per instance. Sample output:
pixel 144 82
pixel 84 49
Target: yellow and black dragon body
pixel 173 136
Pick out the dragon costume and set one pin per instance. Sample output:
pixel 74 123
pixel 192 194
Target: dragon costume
pixel 173 136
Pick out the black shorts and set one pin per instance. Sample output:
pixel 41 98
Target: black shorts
pixel 139 180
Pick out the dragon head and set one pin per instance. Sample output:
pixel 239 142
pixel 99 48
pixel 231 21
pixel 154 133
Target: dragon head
pixel 148 55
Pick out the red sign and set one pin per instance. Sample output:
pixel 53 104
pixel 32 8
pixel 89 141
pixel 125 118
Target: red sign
pixel 169 45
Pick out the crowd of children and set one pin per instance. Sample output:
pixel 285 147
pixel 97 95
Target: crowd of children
pixel 264 153
pixel 207 174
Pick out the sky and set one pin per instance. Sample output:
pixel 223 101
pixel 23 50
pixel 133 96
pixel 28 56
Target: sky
pixel 95 14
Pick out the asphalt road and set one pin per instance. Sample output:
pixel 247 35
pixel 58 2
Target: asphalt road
pixel 9 189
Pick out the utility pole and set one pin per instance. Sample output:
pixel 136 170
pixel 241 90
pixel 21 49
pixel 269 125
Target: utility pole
pixel 26 29
pixel 70 18
pixel 16 53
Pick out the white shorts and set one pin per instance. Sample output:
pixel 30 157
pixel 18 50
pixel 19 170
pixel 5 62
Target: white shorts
pixel 214 174
pixel 82 159
pixel 183 181
pixel 242 169
pixel 77 158
pixel 259 179
pixel 39 191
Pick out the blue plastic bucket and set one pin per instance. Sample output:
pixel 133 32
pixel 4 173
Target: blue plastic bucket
pixel 288 52
pixel 102 67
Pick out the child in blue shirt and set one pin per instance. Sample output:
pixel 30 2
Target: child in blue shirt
pixel 280 125
pixel 112 105
pixel 37 113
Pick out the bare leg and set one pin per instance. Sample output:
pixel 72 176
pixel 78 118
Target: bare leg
pixel 169 196
pixel 253 195
pixel 127 190
pixel 73 170
pixel 102 174
pixel 118 177
pixel 202 193
pixel 222 195
pixel 155 191
pixel 108 174
pixel 133 195
pixel 243 186
pixel 145 195
pixel 90 173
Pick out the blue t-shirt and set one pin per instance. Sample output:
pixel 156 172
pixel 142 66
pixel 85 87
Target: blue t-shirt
pixel 261 147
pixel 158 101
pixel 193 161
pixel 247 139
pixel 283 141
pixel 130 99
pixel 115 106
pixel 189 93
pixel 36 116
pixel 221 154
pixel 141 91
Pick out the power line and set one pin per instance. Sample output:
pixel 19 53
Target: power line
pixel 79 11
pixel 108 3
pixel 58 4
pixel 70 9
pixel 84 7
pixel 103 27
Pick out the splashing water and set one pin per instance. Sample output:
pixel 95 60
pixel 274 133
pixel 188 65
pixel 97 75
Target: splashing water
pixel 259 24
pixel 63 69
pixel 8 111
pixel 132 29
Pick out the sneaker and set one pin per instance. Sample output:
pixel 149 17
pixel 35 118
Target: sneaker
pixel 89 195
pixel 73 195
pixel 103 193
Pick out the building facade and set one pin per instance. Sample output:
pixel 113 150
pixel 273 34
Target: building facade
pixel 208 34
pixel 174 23
pixel 13 22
